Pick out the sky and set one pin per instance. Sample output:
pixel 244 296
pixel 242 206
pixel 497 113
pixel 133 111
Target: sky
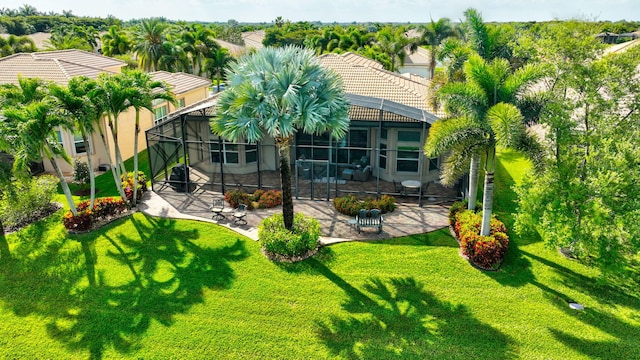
pixel 328 11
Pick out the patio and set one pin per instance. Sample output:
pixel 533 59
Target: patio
pixel 407 219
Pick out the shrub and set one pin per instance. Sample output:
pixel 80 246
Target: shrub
pixel 127 184
pixel 102 208
pixel 350 205
pixel 81 173
pixel 269 199
pixel 276 239
pixel 27 197
pixel 261 199
pixel 484 251
pixel 237 197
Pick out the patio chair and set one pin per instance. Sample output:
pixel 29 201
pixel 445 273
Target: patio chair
pixel 362 174
pixel 240 215
pixel 217 208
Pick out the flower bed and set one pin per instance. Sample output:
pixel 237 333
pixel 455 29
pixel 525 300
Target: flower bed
pixel 350 205
pixel 260 199
pixel 485 252
pixel 104 210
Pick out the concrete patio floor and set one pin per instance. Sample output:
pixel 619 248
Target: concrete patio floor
pixel 406 219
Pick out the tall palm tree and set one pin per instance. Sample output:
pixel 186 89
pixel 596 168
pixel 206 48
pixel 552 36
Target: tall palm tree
pixel 278 92
pixel 217 62
pixel 198 42
pixel 31 126
pixel 433 34
pixel 16 44
pixel 393 43
pixel 484 114
pixel 116 91
pixel 115 41
pixel 146 90
pixel 85 112
pixel 148 39
pixel 487 40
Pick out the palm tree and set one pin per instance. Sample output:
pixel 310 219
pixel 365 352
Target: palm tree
pixel 484 115
pixel 488 41
pixel 433 34
pixel 148 39
pixel 146 90
pixel 16 44
pixel 76 101
pixel 217 62
pixel 198 42
pixel 115 41
pixel 31 126
pixel 393 43
pixel 116 91
pixel 278 92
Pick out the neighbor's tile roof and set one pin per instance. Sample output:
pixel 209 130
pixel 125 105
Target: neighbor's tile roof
pixel 373 81
pixel 253 39
pixel 34 66
pixel 181 82
pixel 419 57
pixel 81 57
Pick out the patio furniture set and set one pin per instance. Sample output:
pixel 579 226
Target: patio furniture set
pixel 239 214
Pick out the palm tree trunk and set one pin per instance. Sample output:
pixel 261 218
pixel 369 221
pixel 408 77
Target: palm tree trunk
pixel 134 199
pixel 65 186
pixel 5 254
pixel 92 174
pixel 432 62
pixel 285 174
pixel 474 172
pixel 487 199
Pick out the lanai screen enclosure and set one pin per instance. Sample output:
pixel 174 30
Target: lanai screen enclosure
pixel 382 149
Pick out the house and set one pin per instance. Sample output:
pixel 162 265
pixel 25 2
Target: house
pixel 417 63
pixel 60 66
pixel 390 119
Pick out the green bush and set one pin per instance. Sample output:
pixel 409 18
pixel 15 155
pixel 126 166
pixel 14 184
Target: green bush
pixel 350 205
pixel 81 173
pixel 27 198
pixel 276 239
pixel 237 197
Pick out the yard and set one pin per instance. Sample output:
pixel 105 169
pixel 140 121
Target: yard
pixel 189 290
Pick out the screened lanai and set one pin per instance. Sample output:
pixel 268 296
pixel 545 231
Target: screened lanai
pixel 381 154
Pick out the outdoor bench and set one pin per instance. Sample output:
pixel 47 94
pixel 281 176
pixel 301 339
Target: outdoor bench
pixel 369 218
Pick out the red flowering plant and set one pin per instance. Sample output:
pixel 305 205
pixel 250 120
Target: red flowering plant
pixel 486 252
pixel 102 208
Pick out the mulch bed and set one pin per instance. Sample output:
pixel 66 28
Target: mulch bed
pixel 36 216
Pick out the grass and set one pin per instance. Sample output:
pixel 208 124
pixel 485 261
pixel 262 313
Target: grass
pixel 192 290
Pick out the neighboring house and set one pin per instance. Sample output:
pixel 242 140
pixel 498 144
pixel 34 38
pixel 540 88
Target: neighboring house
pixel 253 39
pixel 390 119
pixel 61 66
pixel 417 63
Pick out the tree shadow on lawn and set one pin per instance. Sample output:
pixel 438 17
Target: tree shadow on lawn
pixel 398 318
pixel 169 273
pixel 624 344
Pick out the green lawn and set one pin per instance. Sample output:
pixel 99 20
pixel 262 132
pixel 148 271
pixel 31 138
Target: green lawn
pixel 191 290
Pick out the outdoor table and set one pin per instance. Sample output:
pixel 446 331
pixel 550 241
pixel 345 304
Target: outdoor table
pixel 412 185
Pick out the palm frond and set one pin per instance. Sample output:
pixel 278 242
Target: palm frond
pixel 506 122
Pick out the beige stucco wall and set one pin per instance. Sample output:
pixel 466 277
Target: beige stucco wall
pixel 126 130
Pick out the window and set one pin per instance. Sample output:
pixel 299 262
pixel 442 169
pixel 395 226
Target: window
pixel 225 152
pixel 314 147
pixel 408 155
pixel 356 142
pixel 180 103
pixel 159 114
pixel 251 153
pixel 78 144
pixel 433 164
pixel 383 155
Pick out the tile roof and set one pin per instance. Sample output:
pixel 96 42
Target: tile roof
pixel 374 81
pixel 181 82
pixel 81 57
pixel 419 57
pixel 34 66
pixel 253 39
pixel 234 50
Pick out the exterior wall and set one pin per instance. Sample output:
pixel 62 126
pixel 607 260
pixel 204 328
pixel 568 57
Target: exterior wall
pixel 97 153
pixel 126 126
pixel 199 137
